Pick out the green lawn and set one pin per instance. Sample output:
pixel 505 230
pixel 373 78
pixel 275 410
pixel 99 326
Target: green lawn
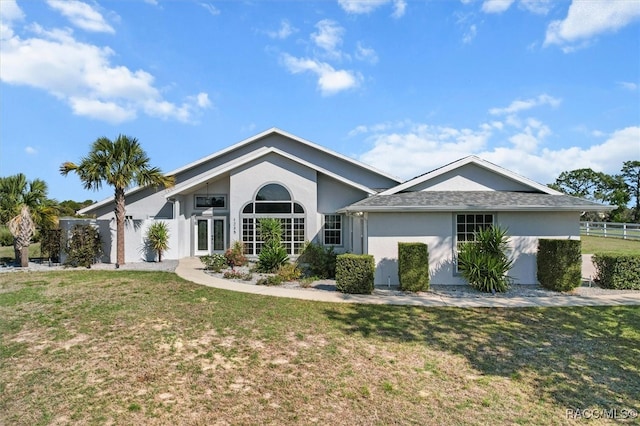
pixel 592 245
pixel 123 347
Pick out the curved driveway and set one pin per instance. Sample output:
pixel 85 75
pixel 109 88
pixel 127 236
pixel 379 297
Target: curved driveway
pixel 191 270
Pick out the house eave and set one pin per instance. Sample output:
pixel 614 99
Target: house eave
pixel 472 208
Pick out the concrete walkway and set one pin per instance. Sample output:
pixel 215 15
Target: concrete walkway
pixel 191 270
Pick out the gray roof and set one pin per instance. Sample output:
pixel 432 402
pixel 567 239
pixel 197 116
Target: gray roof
pixel 474 201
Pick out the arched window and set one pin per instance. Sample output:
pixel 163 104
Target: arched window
pixel 273 201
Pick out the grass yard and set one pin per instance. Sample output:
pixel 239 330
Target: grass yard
pixel 123 347
pixel 592 245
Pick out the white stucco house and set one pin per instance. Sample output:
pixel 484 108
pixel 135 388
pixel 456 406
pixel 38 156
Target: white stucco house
pixel 326 197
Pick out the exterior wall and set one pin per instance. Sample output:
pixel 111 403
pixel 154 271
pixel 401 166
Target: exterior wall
pixel 306 152
pixel 143 204
pixel 332 196
pixel 135 235
pixel 470 177
pixel 299 180
pixel 524 230
pixel 386 230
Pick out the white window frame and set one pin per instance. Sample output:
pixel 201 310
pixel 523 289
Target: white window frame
pixel 468 232
pixel 210 196
pixel 339 231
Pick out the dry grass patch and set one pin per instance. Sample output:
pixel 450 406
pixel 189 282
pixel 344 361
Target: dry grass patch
pixel 122 347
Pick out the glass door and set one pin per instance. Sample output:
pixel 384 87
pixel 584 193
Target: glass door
pixel 203 236
pixel 219 235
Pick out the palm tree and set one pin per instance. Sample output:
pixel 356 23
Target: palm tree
pixel 158 238
pixel 24 206
pixel 120 164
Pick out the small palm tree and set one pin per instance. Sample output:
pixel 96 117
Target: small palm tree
pixel 484 262
pixel 120 164
pixel 24 206
pixel 158 238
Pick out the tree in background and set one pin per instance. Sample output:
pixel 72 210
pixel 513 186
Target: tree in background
pixel 70 207
pixel 120 164
pixel 24 206
pixel 599 187
pixel 631 176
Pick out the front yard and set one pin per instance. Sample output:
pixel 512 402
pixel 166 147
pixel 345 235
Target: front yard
pixel 100 347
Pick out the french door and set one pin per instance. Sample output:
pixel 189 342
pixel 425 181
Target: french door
pixel 210 235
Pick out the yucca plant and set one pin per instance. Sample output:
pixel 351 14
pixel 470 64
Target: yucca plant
pixel 158 238
pixel 484 262
pixel 272 254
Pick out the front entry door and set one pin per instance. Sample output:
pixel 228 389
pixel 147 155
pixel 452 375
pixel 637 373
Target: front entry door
pixel 211 236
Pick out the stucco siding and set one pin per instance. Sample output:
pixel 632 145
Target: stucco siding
pixel 386 230
pixel 298 179
pixel 526 228
pixel 143 204
pixel 470 177
pixel 305 152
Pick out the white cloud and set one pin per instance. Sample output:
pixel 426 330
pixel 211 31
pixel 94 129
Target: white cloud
pixel 522 105
pixel 359 7
pixel 496 6
pixel 10 11
pixel 83 76
pixel 210 8
pixel 409 149
pixel 31 150
pixel 330 80
pixel 627 85
pixel 539 7
pixel 82 15
pixel 399 8
pixel 586 19
pixel 470 34
pixel 366 54
pixel 328 37
pixel 101 110
pixel 283 32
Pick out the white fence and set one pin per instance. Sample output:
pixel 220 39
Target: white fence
pixel 627 231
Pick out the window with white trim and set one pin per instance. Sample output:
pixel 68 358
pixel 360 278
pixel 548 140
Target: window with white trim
pixel 467 224
pixel 210 201
pixel 333 229
pixel 273 201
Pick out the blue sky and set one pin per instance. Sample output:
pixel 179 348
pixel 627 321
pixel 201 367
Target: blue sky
pixel 536 86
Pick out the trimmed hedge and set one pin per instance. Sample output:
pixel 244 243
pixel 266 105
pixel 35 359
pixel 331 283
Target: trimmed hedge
pixel 354 273
pixel 413 266
pixel 559 264
pixel 620 272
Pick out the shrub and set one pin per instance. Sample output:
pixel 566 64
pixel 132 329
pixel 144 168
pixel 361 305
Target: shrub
pixel 289 272
pixel 413 266
pixel 318 260
pixel 235 255
pixel 270 280
pixel 484 262
pixel 214 262
pixel 51 244
pixel 354 273
pixel 559 264
pixel 237 275
pixel 6 239
pixel 83 247
pixel 617 271
pixel 158 238
pixel 272 254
